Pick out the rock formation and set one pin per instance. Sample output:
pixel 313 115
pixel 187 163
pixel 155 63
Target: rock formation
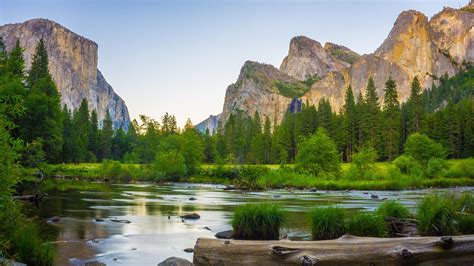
pixel 211 124
pixel 73 65
pixel 415 46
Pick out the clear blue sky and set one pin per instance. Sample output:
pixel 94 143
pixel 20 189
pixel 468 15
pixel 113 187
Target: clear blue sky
pixel 180 56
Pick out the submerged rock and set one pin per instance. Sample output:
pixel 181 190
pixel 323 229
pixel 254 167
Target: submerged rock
pixel 174 261
pixel 374 196
pixel 225 234
pixel 189 250
pixel 55 219
pixel 120 221
pixel 99 220
pixel 192 216
pixel 192 198
pixel 95 263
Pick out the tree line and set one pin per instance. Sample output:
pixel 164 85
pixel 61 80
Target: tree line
pixel 57 135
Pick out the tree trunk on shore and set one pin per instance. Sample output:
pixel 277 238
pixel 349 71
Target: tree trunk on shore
pixel 347 250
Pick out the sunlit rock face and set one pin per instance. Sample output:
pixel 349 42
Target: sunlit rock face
pixel 73 65
pixel 211 124
pixel 416 46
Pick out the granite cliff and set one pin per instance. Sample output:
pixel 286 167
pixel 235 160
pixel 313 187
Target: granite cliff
pixel 416 46
pixel 73 65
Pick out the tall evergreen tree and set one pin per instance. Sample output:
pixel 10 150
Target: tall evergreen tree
pixel 372 121
pixel 416 107
pixel 106 138
pixel 391 120
pixel 267 140
pixel 93 141
pixel 350 124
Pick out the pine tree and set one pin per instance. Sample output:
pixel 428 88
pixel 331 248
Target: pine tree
pixel 43 118
pixel 415 107
pixel 350 124
pixel 93 141
pixel 372 121
pixel 80 132
pixel 106 138
pixel 267 140
pixel 15 63
pixel 391 120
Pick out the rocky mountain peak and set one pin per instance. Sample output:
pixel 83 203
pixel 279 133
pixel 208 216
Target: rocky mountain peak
pixel 73 65
pixel 341 52
pixel 307 58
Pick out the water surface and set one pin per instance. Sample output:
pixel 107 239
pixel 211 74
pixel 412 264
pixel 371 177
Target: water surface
pixel 157 232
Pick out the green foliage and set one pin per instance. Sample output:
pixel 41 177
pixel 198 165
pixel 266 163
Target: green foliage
pixel 170 165
pixel 292 89
pixel 366 224
pixel 466 224
pixel 391 120
pixel 421 148
pixel 30 247
pixel 327 223
pixel 408 165
pixel 362 166
pixel 257 222
pixel 436 215
pixel 318 154
pixel 435 167
pixel 391 208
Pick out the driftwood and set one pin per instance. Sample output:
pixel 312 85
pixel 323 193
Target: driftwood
pixel 36 198
pixel 403 227
pixel 347 250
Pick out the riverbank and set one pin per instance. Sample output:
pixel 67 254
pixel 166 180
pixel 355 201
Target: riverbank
pixel 382 176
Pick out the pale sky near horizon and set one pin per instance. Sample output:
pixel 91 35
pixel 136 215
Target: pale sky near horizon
pixel 179 56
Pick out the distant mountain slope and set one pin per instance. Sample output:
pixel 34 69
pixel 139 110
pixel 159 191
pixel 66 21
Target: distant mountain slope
pixel 73 65
pixel 211 123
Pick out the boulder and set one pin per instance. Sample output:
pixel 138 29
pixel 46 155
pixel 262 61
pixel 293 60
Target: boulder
pixel 225 234
pixel 192 216
pixel 174 261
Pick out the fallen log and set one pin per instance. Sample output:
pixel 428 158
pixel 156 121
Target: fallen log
pixel 31 198
pixel 348 249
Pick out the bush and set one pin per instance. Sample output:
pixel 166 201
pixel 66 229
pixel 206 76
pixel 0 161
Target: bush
pixel 407 165
pixel 170 165
pixel 111 169
pixel 435 167
pixel 318 154
pixel 463 169
pixel 466 203
pixel 366 224
pixel 466 224
pixel 422 148
pixel 327 223
pixel 362 166
pixel 257 222
pixel 391 208
pixel 435 214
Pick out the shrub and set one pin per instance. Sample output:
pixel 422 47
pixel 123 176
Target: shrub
pixel 422 148
pixel 170 165
pixel 327 223
pixel 366 224
pixel 111 169
pixel 391 208
pixel 465 203
pixel 463 169
pixel 435 167
pixel 435 214
pixel 466 224
pixel 257 222
pixel 407 165
pixel 318 154
pixel 362 166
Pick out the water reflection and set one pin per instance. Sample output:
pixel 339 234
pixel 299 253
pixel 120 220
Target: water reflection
pixel 157 232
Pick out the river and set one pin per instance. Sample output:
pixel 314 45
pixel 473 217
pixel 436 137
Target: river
pixel 156 231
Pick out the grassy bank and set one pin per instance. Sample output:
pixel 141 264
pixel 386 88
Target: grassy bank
pixel 382 175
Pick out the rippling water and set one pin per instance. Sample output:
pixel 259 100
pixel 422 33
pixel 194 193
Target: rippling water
pixel 157 232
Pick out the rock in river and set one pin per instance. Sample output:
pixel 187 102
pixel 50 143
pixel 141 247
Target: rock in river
pixel 193 216
pixel 189 250
pixel 224 234
pixel 174 261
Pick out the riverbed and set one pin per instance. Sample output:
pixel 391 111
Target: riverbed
pixel 156 231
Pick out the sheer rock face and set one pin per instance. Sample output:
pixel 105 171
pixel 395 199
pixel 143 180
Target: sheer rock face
pixel 307 58
pixel 73 65
pixel 414 47
pixel 254 91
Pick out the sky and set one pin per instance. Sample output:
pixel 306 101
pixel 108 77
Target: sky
pixel 179 56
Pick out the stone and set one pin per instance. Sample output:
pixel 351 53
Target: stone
pixel 192 198
pixel 374 196
pixel 224 234
pixel 99 220
pixel 192 216
pixel 120 221
pixel 95 263
pixel 73 65
pixel 174 261
pixel 189 250
pixel 55 219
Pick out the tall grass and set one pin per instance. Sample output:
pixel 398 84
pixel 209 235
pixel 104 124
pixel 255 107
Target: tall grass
pixel 257 222
pixel 327 223
pixel 436 215
pixel 391 208
pixel 30 248
pixel 367 224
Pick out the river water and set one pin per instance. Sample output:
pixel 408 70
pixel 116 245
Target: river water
pixel 156 231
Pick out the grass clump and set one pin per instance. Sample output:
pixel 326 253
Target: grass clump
pixel 366 224
pixel 257 222
pixel 30 247
pixel 391 208
pixel 436 215
pixel 327 223
pixel 466 224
